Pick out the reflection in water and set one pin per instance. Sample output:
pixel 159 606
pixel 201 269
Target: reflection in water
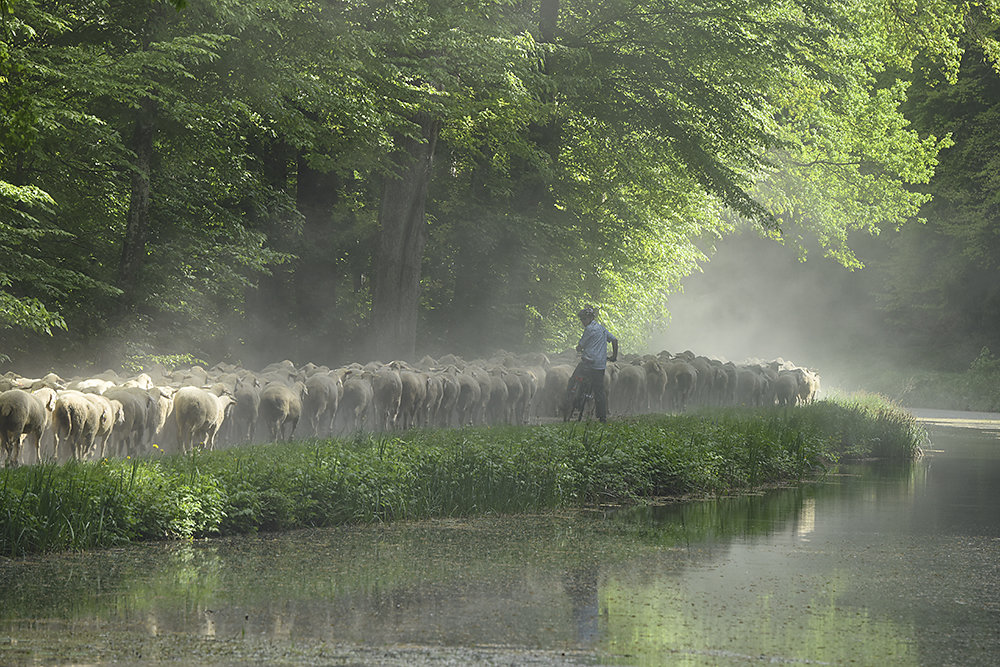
pixel 874 564
pixel 582 589
pixel 806 522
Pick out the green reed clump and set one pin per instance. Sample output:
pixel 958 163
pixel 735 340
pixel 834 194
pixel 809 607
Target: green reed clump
pixel 869 426
pixel 84 505
pixel 437 473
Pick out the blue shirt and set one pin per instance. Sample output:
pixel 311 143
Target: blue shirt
pixel 594 344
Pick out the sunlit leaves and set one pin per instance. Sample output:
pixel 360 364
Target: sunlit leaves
pixel 848 158
pixel 940 280
pixel 596 163
pixel 938 30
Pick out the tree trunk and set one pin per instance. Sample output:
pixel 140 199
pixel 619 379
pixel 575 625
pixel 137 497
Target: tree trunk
pixel 267 309
pixel 548 20
pixel 402 235
pixel 137 223
pixel 315 277
pixel 548 135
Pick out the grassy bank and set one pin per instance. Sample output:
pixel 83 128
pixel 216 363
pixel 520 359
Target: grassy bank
pixel 423 474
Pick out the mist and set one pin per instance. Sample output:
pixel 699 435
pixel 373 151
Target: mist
pixel 755 299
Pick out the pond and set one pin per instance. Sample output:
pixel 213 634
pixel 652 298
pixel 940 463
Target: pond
pixel 871 565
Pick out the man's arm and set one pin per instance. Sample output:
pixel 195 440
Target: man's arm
pixel 614 350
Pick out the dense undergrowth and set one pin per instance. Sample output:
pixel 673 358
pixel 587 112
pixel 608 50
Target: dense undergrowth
pixel 435 473
pixel 974 388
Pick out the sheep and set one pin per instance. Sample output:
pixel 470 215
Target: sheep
pixel 388 388
pixel 515 395
pixel 161 407
pixel 76 421
pixel 630 389
pixel 323 392
pixel 142 381
pixel 450 391
pixel 432 402
pixel 50 380
pixel 246 410
pixel 91 385
pixel 47 395
pixel 21 413
pixel 553 392
pixel 786 388
pixel 199 415
pixel 112 415
pixel 357 398
pixel 130 436
pixel 496 409
pixel 414 396
pixel 281 408
pixel 469 398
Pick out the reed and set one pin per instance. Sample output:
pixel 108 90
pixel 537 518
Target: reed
pixel 436 473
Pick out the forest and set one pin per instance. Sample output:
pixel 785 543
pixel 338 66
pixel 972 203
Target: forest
pixel 340 180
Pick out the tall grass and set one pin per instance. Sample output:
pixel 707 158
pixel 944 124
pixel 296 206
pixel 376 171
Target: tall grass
pixel 435 473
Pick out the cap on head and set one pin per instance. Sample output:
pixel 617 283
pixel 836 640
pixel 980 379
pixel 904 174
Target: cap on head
pixel 587 311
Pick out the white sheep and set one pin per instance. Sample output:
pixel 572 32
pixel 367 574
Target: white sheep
pixel 112 415
pixel 47 396
pixel 281 408
pixel 21 413
pixel 199 414
pixel 91 385
pixel 77 420
pixel 323 392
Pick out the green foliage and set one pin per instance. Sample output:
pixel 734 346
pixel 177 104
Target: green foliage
pixel 940 280
pixel 143 362
pixel 33 286
pixel 976 388
pixel 664 116
pixel 435 473
pixel 869 426
pixel 595 159
pixel 985 364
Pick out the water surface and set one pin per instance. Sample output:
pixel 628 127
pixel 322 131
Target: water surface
pixel 871 565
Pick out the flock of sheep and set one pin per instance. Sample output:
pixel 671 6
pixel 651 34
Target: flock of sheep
pixel 112 415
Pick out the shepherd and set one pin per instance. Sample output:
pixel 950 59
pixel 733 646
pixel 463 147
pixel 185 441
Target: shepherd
pixel 593 347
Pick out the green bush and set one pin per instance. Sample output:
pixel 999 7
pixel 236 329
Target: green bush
pixel 975 388
pixel 434 473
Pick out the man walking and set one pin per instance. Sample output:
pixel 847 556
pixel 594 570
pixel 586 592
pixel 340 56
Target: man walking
pixel 593 346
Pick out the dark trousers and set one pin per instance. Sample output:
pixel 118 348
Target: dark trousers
pixel 593 384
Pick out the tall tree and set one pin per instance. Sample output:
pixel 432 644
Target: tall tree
pixel 446 61
pixel 35 287
pixel 940 279
pixel 491 163
pixel 402 236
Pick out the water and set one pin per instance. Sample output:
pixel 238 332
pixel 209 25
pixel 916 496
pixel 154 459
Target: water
pixel 874 565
